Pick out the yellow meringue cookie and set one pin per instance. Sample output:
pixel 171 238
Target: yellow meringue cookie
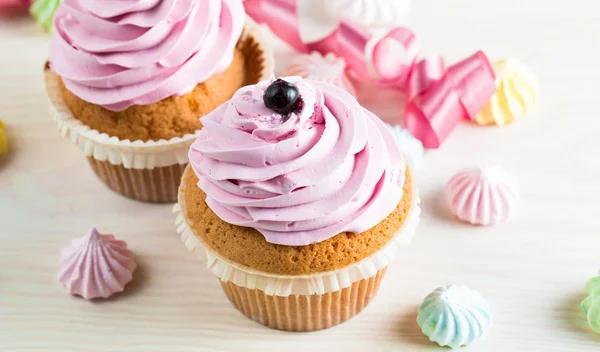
pixel 3 139
pixel 517 91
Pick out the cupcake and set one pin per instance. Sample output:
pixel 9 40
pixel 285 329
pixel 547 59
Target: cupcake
pixel 297 199
pixel 129 80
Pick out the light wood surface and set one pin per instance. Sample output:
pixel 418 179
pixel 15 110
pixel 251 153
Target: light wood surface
pixel 532 268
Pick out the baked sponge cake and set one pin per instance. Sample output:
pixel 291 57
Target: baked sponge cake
pixel 297 198
pixel 129 81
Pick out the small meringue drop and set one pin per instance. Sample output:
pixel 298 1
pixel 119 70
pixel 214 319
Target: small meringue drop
pixel 370 13
pixel 3 139
pixel 96 266
pixel 591 304
pixel 328 68
pixel 517 93
pixel 482 195
pixel 43 12
pixel 454 316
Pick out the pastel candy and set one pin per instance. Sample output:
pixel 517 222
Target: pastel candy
pixel 96 266
pixel 43 12
pixel 591 305
pixel 517 92
pixel 3 139
pixel 482 195
pixel 454 316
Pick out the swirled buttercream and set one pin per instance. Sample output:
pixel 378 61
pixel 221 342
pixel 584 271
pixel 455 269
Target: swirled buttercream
pixel 116 53
pixel 301 178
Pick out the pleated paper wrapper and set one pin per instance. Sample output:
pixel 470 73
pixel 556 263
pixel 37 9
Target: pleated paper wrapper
pixel 148 171
pixel 304 313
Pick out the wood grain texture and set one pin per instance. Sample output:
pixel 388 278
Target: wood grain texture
pixel 532 268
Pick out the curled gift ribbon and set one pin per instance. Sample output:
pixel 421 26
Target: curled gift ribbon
pixel 438 98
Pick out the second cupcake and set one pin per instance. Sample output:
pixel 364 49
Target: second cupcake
pixel 297 199
pixel 129 80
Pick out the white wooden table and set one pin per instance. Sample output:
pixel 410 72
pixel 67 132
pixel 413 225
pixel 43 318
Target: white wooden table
pixel 532 268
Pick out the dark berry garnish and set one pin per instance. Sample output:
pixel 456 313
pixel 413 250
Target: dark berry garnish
pixel 283 97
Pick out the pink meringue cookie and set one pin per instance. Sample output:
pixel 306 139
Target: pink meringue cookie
pixel 303 178
pixel 482 195
pixel 96 266
pixel 328 68
pixel 117 53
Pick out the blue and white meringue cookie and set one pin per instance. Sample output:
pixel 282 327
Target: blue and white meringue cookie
pixel 454 316
pixel 411 147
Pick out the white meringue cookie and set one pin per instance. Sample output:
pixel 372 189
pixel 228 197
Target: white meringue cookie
pixel 328 68
pixel 370 13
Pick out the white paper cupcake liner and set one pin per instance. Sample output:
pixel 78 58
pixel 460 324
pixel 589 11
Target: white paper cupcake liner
pixel 137 154
pixel 286 285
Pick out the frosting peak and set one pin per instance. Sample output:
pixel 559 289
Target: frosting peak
pixel 118 53
pixel 301 178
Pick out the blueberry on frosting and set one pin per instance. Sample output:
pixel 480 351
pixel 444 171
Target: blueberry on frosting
pixel 282 97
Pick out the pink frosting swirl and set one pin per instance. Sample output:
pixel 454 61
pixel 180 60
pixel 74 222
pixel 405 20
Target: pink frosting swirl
pixel 330 168
pixel 119 53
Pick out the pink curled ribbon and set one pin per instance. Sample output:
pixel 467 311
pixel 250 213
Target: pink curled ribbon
pixel 438 97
